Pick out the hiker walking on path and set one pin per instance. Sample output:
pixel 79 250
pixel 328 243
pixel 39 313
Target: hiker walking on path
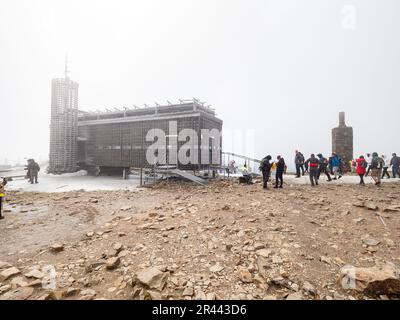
pixel 313 165
pixel 395 164
pixel 386 166
pixel 368 159
pixel 377 164
pixel 299 162
pixel 335 166
pixel 323 164
pixel 361 168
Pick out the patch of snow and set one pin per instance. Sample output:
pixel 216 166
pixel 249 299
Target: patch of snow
pixel 71 182
pixel 79 173
pixel 80 181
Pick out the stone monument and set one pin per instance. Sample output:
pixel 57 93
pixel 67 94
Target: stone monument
pixel 342 141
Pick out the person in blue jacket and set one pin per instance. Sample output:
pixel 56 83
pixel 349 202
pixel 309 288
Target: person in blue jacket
pixel 335 163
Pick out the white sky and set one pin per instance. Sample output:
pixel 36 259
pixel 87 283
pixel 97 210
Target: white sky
pixel 283 68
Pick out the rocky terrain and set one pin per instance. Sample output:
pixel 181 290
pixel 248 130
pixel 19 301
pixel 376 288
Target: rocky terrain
pixel 224 241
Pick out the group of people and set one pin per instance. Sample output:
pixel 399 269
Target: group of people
pixel 319 164
pixel 332 167
pixel 314 166
pixel 378 166
pixel 266 167
pixel 393 163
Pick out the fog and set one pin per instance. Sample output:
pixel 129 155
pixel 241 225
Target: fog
pixel 280 70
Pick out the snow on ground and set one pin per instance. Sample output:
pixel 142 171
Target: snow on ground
pixel 80 181
pixel 80 173
pixel 70 182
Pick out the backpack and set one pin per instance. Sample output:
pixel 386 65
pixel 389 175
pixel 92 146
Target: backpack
pixel 381 163
pixel 364 164
pixel 377 163
pixel 265 165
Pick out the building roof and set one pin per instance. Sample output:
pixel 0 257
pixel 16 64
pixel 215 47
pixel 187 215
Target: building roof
pixel 186 108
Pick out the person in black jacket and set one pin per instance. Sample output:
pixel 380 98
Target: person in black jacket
pixel 305 167
pixel 313 164
pixel 330 166
pixel 302 160
pixel 299 162
pixel 395 163
pixel 265 168
pixel 323 163
pixel 33 169
pixel 280 170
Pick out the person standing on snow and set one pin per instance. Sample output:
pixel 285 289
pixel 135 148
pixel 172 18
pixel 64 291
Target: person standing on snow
pixel 369 160
pixel 265 168
pixel 395 163
pixel 302 159
pixel 280 170
pixel 313 165
pixel 377 164
pixel 306 168
pixel 299 162
pixel 361 168
pixel 386 165
pixel 323 163
pixel 33 169
pixel 335 165
pixel 330 169
pixel 353 165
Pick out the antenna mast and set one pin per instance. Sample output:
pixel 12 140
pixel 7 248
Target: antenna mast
pixel 66 66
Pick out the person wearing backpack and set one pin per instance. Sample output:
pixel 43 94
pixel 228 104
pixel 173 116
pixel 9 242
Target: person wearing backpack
pixel 377 165
pixel 265 168
pixel 323 167
pixel 33 169
pixel 361 169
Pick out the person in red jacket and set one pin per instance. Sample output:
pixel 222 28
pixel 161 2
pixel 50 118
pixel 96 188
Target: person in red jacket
pixel 361 168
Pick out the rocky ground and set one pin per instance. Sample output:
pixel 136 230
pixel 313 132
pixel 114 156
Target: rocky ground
pixel 224 241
